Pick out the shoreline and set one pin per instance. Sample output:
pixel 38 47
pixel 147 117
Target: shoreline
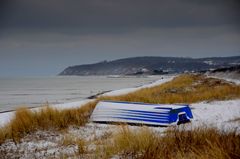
pixel 34 92
pixel 6 116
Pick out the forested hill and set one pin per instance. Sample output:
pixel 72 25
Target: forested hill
pixel 151 65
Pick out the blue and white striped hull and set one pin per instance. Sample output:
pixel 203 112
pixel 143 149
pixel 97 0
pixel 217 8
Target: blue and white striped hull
pixel 138 113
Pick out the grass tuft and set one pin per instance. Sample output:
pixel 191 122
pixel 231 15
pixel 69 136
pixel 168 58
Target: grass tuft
pixel 82 148
pixel 196 143
pixel 68 139
pixel 27 121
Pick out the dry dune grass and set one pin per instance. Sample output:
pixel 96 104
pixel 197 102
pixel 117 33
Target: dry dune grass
pixel 182 89
pixel 70 139
pixel 196 143
pixel 27 121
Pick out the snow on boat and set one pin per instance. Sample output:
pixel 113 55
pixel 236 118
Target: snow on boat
pixel 141 113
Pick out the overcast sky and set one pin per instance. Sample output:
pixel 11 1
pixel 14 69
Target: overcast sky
pixel 42 37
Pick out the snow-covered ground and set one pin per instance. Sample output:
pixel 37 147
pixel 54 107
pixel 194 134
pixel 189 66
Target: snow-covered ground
pixel 236 81
pixel 48 144
pixel 226 77
pixel 224 115
pixel 219 114
pixel 128 90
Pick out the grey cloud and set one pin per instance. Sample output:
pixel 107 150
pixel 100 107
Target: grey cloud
pixel 116 15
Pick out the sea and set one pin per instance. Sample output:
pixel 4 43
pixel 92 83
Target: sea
pixel 36 91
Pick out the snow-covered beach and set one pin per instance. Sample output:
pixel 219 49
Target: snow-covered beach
pixel 43 144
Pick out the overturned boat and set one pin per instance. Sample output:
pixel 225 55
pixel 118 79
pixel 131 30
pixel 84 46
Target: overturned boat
pixel 141 113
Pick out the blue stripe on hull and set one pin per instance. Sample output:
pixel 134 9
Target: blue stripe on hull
pixel 133 112
pixel 146 117
pixel 147 114
pixel 142 111
pixel 144 120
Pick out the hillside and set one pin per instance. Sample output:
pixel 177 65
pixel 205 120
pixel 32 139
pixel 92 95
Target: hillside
pixel 151 65
pixel 232 72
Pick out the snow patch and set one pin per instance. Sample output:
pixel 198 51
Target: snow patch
pixel 236 81
pixel 163 79
pixel 209 62
pixel 216 113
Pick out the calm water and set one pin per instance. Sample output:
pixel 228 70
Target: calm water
pixel 34 91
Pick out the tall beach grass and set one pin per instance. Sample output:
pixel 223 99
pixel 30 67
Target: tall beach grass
pixel 200 143
pixel 26 121
pixel 184 89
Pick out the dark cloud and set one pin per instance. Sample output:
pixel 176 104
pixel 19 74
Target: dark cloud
pixel 112 15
